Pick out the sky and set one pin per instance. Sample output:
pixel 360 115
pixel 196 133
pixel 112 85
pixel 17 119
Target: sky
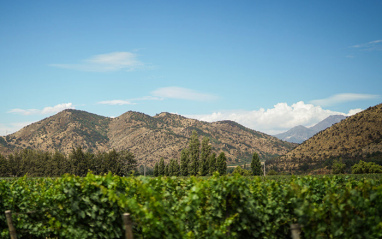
pixel 268 65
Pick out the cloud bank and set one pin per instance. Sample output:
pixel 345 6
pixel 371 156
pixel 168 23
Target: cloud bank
pixel 276 120
pixel 342 98
pixel 114 61
pixel 44 111
pixel 174 92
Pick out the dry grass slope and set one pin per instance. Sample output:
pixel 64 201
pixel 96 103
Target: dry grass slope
pixel 149 138
pixel 355 137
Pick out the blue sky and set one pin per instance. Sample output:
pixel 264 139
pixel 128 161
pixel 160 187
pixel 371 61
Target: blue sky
pixel 269 65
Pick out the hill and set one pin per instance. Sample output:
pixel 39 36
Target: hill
pixel 301 133
pixel 354 138
pixel 149 138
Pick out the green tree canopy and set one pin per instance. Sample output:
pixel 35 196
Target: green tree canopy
pixel 194 146
pixel 338 167
pixel 366 167
pixel 256 165
pixel 161 167
pixel 184 162
pixel 221 163
pixel 204 156
pixel 241 171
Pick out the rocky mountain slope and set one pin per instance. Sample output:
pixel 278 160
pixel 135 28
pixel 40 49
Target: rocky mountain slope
pixel 301 133
pixel 149 138
pixel 356 137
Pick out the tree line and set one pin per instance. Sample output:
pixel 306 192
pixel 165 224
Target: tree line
pixel 37 163
pixel 196 159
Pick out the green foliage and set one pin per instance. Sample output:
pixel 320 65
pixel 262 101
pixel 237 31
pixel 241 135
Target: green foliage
pixel 184 162
pixel 43 164
pixel 256 165
pixel 171 207
pixel 221 164
pixel 272 172
pixel 239 170
pixel 194 145
pixel 366 167
pixel 174 168
pixel 338 167
pixel 204 157
pixel 161 167
pixel 212 162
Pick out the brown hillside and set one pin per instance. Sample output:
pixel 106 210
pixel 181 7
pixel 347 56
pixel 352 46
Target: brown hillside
pixel 149 138
pixel 358 136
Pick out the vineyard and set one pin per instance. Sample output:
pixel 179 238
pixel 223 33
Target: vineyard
pixel 193 207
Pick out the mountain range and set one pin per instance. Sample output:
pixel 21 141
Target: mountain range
pixel 354 138
pixel 301 133
pixel 148 137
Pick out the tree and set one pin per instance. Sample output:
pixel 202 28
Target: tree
pixel 241 171
pixel 212 162
pixel 256 165
pixel 3 166
pixel 156 170
pixel 366 167
pixel 166 170
pixel 173 168
pixel 78 162
pixel 338 167
pixel 161 166
pixel 221 164
pixel 184 162
pixel 126 162
pixel 176 168
pixel 194 146
pixel 205 153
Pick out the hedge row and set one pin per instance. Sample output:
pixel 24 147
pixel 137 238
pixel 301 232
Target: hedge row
pixel 171 207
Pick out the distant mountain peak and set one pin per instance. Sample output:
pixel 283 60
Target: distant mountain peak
pixel 356 137
pixel 300 133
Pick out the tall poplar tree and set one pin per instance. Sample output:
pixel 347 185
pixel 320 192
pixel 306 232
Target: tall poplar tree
pixel 212 162
pixel 166 170
pixel 255 164
pixel 161 167
pixel 221 164
pixel 194 146
pixel 205 153
pixel 184 162
pixel 156 170
pixel 174 168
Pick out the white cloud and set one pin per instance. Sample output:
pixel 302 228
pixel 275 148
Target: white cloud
pixel 106 62
pixel 174 92
pixel 44 111
pixel 10 128
pixel 370 46
pixel 276 120
pixel 342 98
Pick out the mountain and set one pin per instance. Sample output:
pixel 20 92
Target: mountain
pixel 301 133
pixel 354 138
pixel 149 138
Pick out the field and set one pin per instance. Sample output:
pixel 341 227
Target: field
pixel 193 207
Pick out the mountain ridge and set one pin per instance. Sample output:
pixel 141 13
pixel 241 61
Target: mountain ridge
pixel 148 137
pixel 354 138
pixel 300 133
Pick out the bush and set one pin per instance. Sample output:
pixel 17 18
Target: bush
pixel 366 167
